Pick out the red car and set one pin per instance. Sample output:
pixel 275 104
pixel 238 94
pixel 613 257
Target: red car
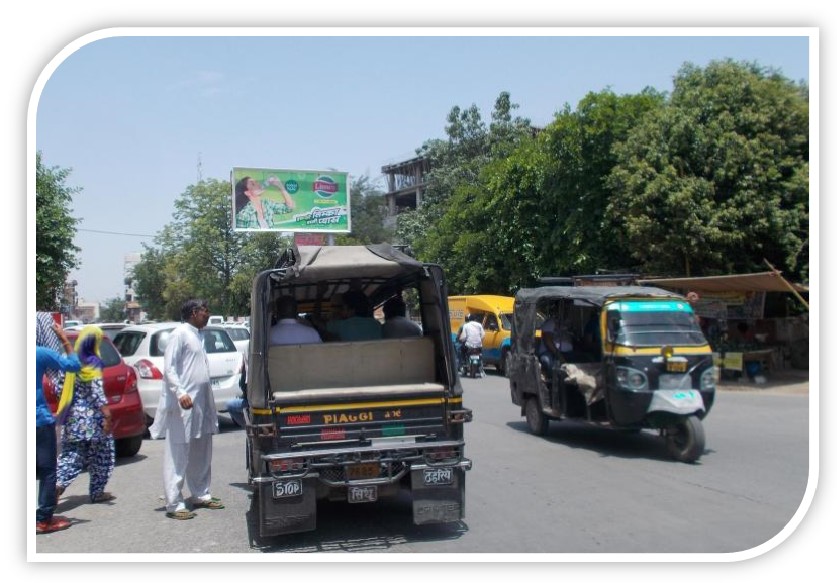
pixel 120 381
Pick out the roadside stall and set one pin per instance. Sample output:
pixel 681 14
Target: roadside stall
pixel 752 323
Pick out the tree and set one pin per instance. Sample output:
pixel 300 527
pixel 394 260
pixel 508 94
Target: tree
pixel 112 310
pixel 199 255
pixel 717 180
pixel 369 211
pixel 55 254
pixel 449 226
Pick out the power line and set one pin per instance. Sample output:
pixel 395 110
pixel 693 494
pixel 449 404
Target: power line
pixel 115 233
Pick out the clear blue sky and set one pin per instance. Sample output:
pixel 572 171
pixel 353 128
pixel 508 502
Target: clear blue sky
pixel 133 116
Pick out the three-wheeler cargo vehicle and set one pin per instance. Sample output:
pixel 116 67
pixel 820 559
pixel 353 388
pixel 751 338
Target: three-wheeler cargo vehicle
pixel 353 421
pixel 638 360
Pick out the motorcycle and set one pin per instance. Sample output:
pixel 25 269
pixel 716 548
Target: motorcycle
pixel 473 364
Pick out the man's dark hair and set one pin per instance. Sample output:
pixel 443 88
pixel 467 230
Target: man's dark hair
pixel 358 303
pixel 190 306
pixel 395 306
pixel 286 307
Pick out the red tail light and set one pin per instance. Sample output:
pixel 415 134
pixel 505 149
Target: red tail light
pixel 131 381
pixel 147 370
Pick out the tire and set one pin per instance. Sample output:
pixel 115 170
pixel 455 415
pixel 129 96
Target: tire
pixel 128 447
pixel 685 439
pixel 535 419
pixel 505 358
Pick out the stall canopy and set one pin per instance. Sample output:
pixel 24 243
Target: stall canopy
pixel 768 281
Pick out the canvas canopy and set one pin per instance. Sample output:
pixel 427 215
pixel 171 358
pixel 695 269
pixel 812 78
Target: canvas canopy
pixel 768 281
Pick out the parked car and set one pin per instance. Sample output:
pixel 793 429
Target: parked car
pixel 143 346
pixel 124 399
pixel 109 328
pixel 240 335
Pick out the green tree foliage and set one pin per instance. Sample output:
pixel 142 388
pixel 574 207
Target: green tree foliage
pixel 55 227
pixel 717 180
pixel 449 227
pixel 369 209
pixel 112 310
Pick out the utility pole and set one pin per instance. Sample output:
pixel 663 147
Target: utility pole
pixel 200 169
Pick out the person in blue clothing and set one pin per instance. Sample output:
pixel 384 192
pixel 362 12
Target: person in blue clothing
pixel 46 442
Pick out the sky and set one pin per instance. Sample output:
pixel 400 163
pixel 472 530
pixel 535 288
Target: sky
pixel 138 119
pixel 132 118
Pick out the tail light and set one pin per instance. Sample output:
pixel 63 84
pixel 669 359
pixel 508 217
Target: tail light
pixel 147 370
pixel 294 465
pixel 442 454
pixel 131 381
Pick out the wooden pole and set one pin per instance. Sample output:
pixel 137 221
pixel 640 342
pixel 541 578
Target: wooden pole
pixel 787 284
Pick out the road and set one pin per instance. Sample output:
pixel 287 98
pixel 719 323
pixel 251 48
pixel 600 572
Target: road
pixel 580 489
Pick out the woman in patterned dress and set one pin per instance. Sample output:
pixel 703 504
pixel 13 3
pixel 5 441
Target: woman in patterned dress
pixel 86 440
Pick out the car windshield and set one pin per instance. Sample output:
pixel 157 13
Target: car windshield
pixel 655 323
pixel 159 341
pixel 239 333
pixel 216 340
pixel 127 342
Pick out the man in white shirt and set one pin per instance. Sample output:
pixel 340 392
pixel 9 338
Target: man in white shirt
pixel 186 415
pixel 288 329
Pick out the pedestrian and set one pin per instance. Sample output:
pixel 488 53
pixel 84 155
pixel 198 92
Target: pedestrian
pixel 396 323
pixel 186 415
pixel 46 441
pixel 87 440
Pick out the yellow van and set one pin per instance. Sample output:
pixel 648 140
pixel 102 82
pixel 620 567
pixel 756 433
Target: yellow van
pixel 496 312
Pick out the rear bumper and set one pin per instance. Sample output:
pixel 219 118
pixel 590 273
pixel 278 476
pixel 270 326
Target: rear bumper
pixel 128 417
pixel 437 487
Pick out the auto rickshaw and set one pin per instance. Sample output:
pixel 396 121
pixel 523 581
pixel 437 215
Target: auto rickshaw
pixel 638 360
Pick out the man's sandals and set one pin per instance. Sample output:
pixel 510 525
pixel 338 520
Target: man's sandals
pixel 181 514
pixel 212 503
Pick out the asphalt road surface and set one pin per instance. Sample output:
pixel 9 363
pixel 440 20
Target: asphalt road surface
pixel 580 489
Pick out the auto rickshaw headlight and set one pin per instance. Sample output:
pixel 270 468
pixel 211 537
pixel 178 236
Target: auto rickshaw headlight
pixel 707 380
pixel 631 379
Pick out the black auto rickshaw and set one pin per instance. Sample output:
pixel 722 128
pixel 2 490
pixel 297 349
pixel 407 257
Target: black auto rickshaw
pixel 638 359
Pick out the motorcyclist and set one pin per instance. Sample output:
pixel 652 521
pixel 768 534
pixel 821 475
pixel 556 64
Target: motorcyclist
pixel 471 336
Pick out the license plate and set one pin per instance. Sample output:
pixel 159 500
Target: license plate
pixel 438 477
pixel 359 494
pixel 287 488
pixel 363 471
pixel 675 382
pixel 674 366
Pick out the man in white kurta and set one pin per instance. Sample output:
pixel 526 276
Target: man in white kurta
pixel 186 415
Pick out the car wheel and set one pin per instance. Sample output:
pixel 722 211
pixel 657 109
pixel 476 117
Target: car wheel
pixel 129 446
pixel 685 439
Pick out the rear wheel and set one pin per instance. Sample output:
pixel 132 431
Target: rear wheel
pixel 535 419
pixel 129 446
pixel 685 439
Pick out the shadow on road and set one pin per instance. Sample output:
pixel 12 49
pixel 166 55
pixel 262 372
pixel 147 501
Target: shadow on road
pixel 604 441
pixel 344 527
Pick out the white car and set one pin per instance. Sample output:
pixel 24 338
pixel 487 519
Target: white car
pixel 143 346
pixel 240 335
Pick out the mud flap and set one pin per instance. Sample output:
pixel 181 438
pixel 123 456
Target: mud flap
pixel 434 499
pixel 289 512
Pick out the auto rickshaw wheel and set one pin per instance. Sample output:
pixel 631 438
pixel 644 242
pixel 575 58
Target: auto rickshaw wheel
pixel 685 439
pixel 505 359
pixel 535 419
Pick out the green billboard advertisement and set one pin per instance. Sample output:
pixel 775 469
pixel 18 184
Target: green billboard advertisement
pixel 266 199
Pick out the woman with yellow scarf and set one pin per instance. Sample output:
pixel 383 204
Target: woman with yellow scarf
pixel 86 440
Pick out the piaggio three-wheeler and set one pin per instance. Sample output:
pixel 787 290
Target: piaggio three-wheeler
pixel 638 360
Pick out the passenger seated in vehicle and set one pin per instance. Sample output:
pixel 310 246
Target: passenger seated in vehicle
pixel 358 323
pixel 289 329
pixel 556 345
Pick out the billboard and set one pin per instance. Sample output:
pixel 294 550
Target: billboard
pixel 266 199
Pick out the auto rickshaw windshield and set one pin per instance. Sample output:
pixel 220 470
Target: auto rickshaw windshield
pixel 655 323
